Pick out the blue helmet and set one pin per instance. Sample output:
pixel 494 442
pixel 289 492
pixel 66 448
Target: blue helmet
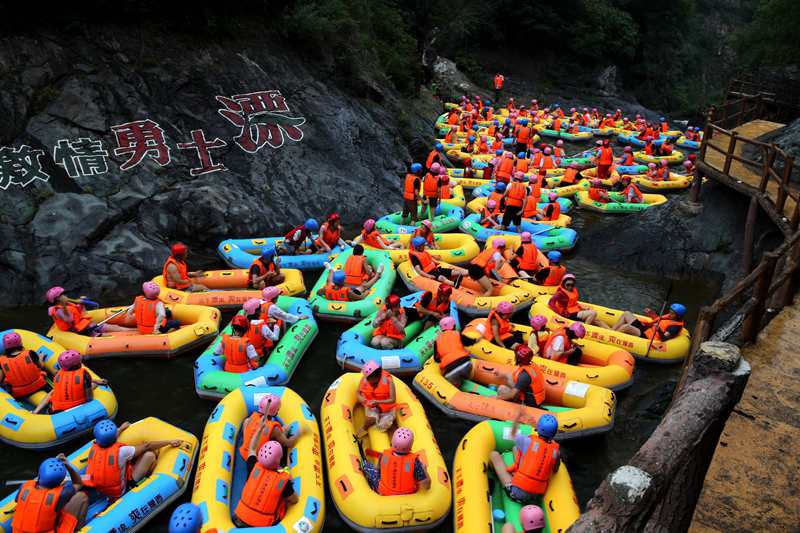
pixel 51 473
pixel 521 155
pixel 496 122
pixel 311 225
pixel 678 309
pixel 524 121
pixel 487 102
pixel 498 152
pixel 416 167
pixel 416 242
pixel 662 119
pixel 547 426
pixel 500 187
pixel 105 433
pixel 472 138
pixel 439 146
pixel 554 256
pixel 338 277
pixel 508 121
pixel 268 252
pixel 186 519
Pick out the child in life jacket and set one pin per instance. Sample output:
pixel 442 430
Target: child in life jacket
pixel 525 384
pixel 597 193
pixel 565 302
pixel 560 345
pixel 265 271
pixel 630 191
pixel 176 272
pixel 371 237
pixel 552 210
pixel 72 384
pixel 151 315
pixel 330 234
pixel 240 355
pixel 497 327
pixel 661 328
pixel 536 458
pixel 399 470
pixel 263 332
pixel 525 259
pixel 68 314
pixel 454 360
pixel 552 274
pixel 377 396
pixel 490 215
pixel 21 372
pixel 113 465
pixel 357 270
pixel 337 290
pixel 268 407
pixel 390 325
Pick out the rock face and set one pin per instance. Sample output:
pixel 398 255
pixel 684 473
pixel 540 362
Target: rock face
pixel 451 81
pixel 110 232
pixel 607 81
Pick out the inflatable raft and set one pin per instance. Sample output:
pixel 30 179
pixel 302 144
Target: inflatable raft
pixel 468 296
pixel 571 137
pixel 221 472
pixel 562 221
pixel 23 429
pixel 676 158
pixel 671 351
pixel 359 506
pixel 633 139
pixel 545 237
pixel 617 203
pixel 565 203
pixel 240 253
pixel 685 143
pixel 199 324
pixel 453 248
pixel 353 349
pixel 446 219
pixel 581 409
pixel 601 364
pixel 674 183
pixel 479 501
pixel 631 169
pixel 228 289
pixel 356 310
pixel 212 381
pixel 153 494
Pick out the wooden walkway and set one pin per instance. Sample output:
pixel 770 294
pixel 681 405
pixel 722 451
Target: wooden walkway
pixel 753 483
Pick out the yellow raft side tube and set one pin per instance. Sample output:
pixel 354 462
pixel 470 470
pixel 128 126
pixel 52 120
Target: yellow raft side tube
pixel 473 509
pixel 562 221
pixel 220 449
pixel 361 507
pixel 672 351
pixel 675 182
pixel 199 325
pixel 675 158
pixel 453 248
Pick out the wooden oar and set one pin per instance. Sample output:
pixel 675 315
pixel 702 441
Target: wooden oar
pixel 115 315
pixel 663 308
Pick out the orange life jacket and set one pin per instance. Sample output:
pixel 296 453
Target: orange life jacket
pixel 498 82
pixel 557 124
pixel 515 194
pixel 572 302
pixel 449 136
pixel 409 191
pixel 255 338
pixel 535 466
pixel 449 348
pixel 555 275
pixel 569 176
pixel 355 270
pixel 555 211
pixel 606 156
pixel 498 198
pixel 483 147
pixel 452 118
pixel 537 382
pixel 486 214
pixel 648 148
pixel 665 324
pixel 547 162
pixel 145 311
pixel 503 326
pixel 530 257
pixel 523 164
pixel 427 235
pixel 337 294
pixel 235 351
pixel 598 195
pixel 183 273
pixel 381 391
pixel 632 188
pixel 433 157
pixel 37 509
pixel 69 389
pixel 372 238
pixel 524 134
pixel 430 185
pixel 79 320
pixel 444 188
pixel 250 429
pixel 504 169
pixel 627 159
pixel 21 374
pixel 561 332
pixel 329 236
pixel 559 152
pixel 434 305
pixel 262 503
pixel 485 261
pixel 258 262
pixel 104 472
pixel 425 259
pixel 387 328
pixel 664 127
pixel 396 474
pixel 666 149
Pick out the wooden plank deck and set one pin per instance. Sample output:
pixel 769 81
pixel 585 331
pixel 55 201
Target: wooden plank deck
pixel 753 483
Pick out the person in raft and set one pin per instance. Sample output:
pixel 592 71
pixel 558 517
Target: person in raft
pixel 491 260
pixel 399 470
pixel 411 186
pixel 357 270
pixel 661 328
pixel 390 325
pixel 565 302
pixel 176 273
pixel 552 274
pixel 330 234
pixel 268 407
pixel 263 332
pixel 426 266
pixel 21 371
pixel 337 291
pixel 425 230
pixel 536 457
pixel 240 355
pixel 296 242
pixel 531 518
pixel 525 259
pixel 525 384
pixel 538 335
pixel 560 345
pixel 271 311
pixel 630 191
pixel 431 308
pixel 377 396
pixel 152 316
pixel 72 384
pixel 597 193
pixel 265 271
pixel 187 518
pixel 448 350
pixel 68 314
pixel 48 503
pixel 113 465
pixel 497 327
pixel 268 491
pixel 371 237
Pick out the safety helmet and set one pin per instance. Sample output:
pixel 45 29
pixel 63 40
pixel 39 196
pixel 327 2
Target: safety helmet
pixel 186 518
pixel 547 426
pixel 531 518
pixel 338 277
pixel 69 359
pixel 435 168
pixel 369 224
pixel 525 236
pixel 402 440
pixel 251 305
pixel 491 204
pixel 270 404
pixel 240 321
pixel 311 225
pixel 53 293
pixel 178 249
pixel 268 252
pixel 678 309
pixel 393 300
pixel 51 473
pixel 447 323
pixel 105 433
pixel 12 340
pixel 427 223
pixel 523 354
pixel 439 146
pixel 445 290
pixel 416 242
pixel 270 293
pixel 416 168
pixel 499 243
pixel 270 455
pixel 500 187
pixel 505 307
pixel 370 367
pixel 538 322
pixel 578 329
pixel 150 289
pixel 552 197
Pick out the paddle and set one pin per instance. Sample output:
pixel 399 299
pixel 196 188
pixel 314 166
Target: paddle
pixel 663 307
pixel 125 310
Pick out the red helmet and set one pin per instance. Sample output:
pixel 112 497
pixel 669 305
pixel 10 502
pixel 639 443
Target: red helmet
pixel 393 300
pixel 334 216
pixel 445 290
pixel 240 321
pixel 523 354
pixel 178 249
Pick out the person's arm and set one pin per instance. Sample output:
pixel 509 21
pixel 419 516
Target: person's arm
pixel 161 314
pixel 63 314
pixel 288 441
pixel 392 395
pixel 174 275
pixel 93 383
pixel 556 349
pixel 496 333
pixel 252 449
pixel 421 475
pixel 361 398
pixel 279 314
pixel 273 334
pixel 155 445
pixel 252 354
pixel 74 476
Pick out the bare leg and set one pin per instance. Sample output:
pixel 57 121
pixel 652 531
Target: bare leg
pixel 196 287
pixel 624 320
pixel 630 330
pixel 144 466
pixel 275 279
pixel 500 468
pixel 77 506
pixel 368 423
pixel 115 328
pixel 377 342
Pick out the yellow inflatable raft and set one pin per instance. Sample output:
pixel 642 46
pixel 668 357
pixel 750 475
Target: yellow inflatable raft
pixel 361 507
pixel 676 158
pixel 453 248
pixel 674 183
pixel 476 504
pixel 672 351
pixel 601 364
pixel 228 289
pixel 221 472
pixel 199 325
pixel 562 221
pixel 618 203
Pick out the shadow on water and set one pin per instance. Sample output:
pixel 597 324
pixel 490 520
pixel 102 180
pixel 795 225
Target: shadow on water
pixel 165 388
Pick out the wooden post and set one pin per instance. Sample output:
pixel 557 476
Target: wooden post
pixel 795 217
pixel 741 111
pixel 707 134
pixel 697 184
pixel 728 159
pixel 749 236
pixel 788 164
pixel 791 284
pixel 766 166
pixel 752 322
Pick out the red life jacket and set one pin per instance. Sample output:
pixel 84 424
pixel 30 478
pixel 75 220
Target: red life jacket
pixel 485 261
pixel 530 257
pixel 329 236
pixel 504 169
pixel 606 156
pixel 387 328
pixel 535 466
pixel 21 374
pixel 381 391
pixel 79 320
pixel 663 326
pixel 104 472
pixel 449 348
pixel 304 233
pixel 409 190
pixel 433 157
pixel 516 194
pixel 632 188
pixel 145 311
pixel 397 474
pixel 569 176
pixel 523 164
pixel 425 259
pixel 235 351
pixel 355 271
pixel 434 304
pixel 627 159
pixel 183 273
pixel 261 269
pixel 37 509
pixel 430 185
pixel 547 162
pixel 255 338
pixel 250 429
pixel 372 238
pixel 554 276
pixel 69 389
pixel 503 326
pixel 536 386
pixel 524 134
pixel 337 294
pixel 598 195
pixel 562 333
pixel 262 503
pixel 572 302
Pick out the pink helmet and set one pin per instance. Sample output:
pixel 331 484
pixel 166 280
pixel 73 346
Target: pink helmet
pixel 538 322
pixel 651 165
pixel 573 165
pixel 483 138
pixel 442 171
pixel 687 164
pixel 251 306
pixel 552 196
pixel 627 149
pixel 53 293
pixel 608 115
pixel 447 323
pixel 505 307
pixel 525 236
pixel 69 359
pixel 369 367
pixel 270 293
pixel 518 175
pixel 664 162
pixel 578 329
pixel 427 223
pixel 270 455
pixel 369 224
pixel 435 168
pixel 547 151
pixel 572 109
pixel 491 204
pixel 402 440
pixel 597 182
pixel 531 517
pixel 151 290
pixel 12 340
pixel 559 142
pixel 499 243
pixel 270 404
